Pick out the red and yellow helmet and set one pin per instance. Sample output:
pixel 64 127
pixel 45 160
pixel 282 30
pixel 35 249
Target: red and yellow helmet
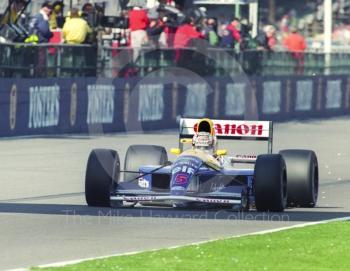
pixel 205 125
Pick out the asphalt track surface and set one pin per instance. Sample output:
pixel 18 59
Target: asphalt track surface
pixel 44 217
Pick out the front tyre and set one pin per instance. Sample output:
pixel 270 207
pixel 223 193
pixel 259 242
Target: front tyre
pixel 102 175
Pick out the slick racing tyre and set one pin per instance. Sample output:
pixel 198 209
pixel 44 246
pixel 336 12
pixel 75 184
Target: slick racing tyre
pixel 141 155
pixel 270 183
pixel 102 175
pixel 302 177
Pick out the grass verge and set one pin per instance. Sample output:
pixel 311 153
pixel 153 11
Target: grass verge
pixel 320 247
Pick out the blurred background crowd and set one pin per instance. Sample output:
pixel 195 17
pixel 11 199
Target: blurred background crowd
pixel 233 26
pixel 292 25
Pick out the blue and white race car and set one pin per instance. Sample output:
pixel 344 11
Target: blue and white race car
pixel 201 176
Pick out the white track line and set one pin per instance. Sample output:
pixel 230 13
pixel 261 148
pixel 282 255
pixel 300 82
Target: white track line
pixel 60 264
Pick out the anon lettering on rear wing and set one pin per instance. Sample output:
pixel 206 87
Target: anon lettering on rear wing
pixel 232 129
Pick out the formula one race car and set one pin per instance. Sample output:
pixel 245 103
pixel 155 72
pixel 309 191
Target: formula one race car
pixel 202 175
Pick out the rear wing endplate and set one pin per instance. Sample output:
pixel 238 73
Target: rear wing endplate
pixel 231 130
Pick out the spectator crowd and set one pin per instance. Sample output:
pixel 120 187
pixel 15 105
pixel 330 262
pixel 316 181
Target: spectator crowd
pixel 165 25
pixel 156 27
pixel 150 28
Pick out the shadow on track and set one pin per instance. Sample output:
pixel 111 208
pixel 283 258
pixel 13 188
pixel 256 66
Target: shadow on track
pixel 302 215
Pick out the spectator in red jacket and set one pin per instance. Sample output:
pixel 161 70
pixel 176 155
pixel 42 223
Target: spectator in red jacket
pixel 294 42
pixel 233 27
pixel 296 45
pixel 138 19
pixel 138 24
pixel 184 34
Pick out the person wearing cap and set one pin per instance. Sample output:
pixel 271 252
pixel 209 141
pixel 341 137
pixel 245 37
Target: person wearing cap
pixel 76 29
pixel 56 18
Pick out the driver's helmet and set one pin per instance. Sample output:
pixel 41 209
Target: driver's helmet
pixel 205 138
pixel 203 141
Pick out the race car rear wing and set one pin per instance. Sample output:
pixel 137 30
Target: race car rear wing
pixel 231 129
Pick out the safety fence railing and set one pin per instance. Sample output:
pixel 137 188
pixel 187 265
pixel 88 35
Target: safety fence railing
pixel 218 62
pixel 62 60
pixel 43 60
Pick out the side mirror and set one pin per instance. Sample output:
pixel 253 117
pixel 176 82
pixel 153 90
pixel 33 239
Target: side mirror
pixel 221 152
pixel 175 151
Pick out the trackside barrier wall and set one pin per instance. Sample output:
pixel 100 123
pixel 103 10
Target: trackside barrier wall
pixel 90 105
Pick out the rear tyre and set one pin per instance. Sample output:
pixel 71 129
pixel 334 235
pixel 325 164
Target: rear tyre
pixel 102 175
pixel 140 155
pixel 270 183
pixel 302 177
